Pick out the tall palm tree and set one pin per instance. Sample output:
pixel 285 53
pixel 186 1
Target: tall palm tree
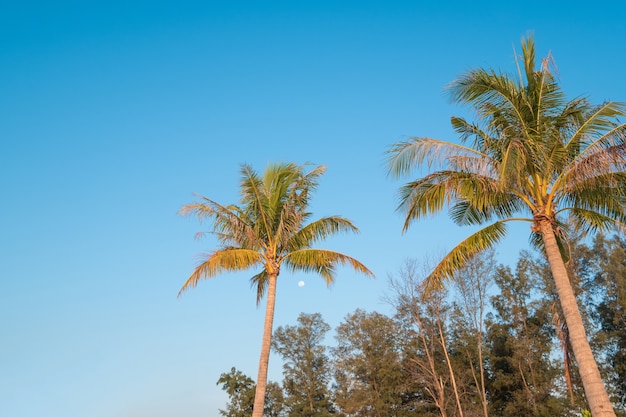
pixel 532 156
pixel 269 229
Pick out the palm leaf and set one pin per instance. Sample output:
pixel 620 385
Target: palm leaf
pixel 322 262
pixel 588 221
pixel 227 259
pixel 458 257
pixel 229 223
pixel 598 120
pixel 404 156
pixel 260 281
pixel 320 230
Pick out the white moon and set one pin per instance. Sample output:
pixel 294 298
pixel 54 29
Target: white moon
pixel 300 283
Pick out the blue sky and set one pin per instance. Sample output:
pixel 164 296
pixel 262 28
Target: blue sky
pixel 112 114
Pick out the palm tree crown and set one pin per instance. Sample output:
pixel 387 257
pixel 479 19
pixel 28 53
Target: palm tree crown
pixel 533 156
pixel 269 229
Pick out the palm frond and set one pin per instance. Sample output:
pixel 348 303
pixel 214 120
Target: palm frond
pixel 481 208
pixel 458 257
pixel 597 121
pixel 466 130
pixel 587 221
pixel 254 199
pixel 229 223
pixel 424 197
pixel 322 262
pixel 222 260
pixel 260 281
pixel 319 230
pixel 605 194
pixel 404 156
pixel 475 198
pixel 598 158
pixel 494 96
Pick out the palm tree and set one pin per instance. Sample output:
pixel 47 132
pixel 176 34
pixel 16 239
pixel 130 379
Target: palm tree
pixel 532 156
pixel 270 229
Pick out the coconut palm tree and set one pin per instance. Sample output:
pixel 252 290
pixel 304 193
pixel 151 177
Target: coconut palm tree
pixel 532 156
pixel 270 229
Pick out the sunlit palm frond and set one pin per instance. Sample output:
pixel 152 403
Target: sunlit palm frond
pixel 404 156
pixel 594 164
pixel 254 200
pixel 605 194
pixel 229 223
pixel 222 260
pixel 323 262
pixel 486 206
pixel 307 184
pixel 494 96
pixel 597 121
pixel 319 230
pixel 478 165
pixel 466 131
pixel 587 221
pixel 517 163
pixel 458 257
pixel 289 222
pixel 430 194
pixel 424 197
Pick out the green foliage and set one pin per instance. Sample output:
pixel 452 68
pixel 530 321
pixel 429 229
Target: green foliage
pixel 241 388
pixel 523 377
pixel 368 370
pixel 306 367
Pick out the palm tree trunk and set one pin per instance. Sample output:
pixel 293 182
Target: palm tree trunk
pixel 261 382
pixel 596 394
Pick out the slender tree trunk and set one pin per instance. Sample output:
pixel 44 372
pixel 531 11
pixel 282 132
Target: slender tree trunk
pixel 261 382
pixel 452 377
pixel 438 394
pixel 596 394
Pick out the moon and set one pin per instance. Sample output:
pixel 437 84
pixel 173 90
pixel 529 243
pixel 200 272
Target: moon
pixel 300 283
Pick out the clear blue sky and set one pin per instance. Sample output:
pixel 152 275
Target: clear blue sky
pixel 113 113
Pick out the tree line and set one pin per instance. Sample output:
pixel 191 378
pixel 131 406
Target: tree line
pixel 492 343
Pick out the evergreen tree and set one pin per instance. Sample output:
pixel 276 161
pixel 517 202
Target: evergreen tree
pixel 241 389
pixel 306 367
pixel 523 377
pixel 368 372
